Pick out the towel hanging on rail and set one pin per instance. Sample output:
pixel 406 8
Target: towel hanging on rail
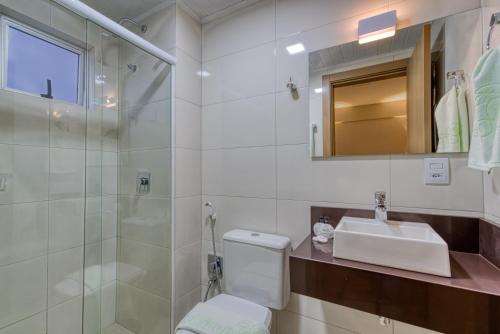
pixel 485 144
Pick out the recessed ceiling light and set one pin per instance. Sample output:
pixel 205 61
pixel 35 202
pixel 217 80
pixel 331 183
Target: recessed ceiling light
pixel 377 27
pixel 295 48
pixel 318 90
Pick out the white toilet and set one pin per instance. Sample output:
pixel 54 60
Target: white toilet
pixel 256 275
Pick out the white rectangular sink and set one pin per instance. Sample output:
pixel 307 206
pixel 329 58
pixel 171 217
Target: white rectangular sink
pixel 403 245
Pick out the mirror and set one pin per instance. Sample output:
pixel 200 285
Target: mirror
pixel 408 94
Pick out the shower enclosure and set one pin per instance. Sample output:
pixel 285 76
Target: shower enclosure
pixel 85 177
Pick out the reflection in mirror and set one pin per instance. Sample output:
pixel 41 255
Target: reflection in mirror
pixel 400 95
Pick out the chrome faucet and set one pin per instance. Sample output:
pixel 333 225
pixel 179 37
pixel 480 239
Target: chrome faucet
pixel 380 208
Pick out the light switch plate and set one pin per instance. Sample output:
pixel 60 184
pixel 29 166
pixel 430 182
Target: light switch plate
pixel 437 171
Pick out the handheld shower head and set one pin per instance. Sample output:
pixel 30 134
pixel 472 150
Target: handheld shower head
pixel 212 213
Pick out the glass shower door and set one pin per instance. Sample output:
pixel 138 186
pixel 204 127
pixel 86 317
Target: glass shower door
pixel 128 212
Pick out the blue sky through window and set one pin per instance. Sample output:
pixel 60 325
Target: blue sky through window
pixel 32 60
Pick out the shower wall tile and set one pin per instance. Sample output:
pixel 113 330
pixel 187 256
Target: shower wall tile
pixel 291 115
pixel 146 127
pixel 67 125
pixel 108 304
pixel 109 261
pixel 145 219
pixel 157 162
pixel 145 267
pixel 109 173
pixel 25 171
pixel 68 22
pixel 109 129
pixel 33 325
pixel 187 268
pixel 67 173
pixel 65 275
pixel 109 217
pixel 188 34
pixel 23 290
pixel 24 119
pixel 66 318
pixel 38 10
pixel 23 231
pixel 142 312
pixel 66 219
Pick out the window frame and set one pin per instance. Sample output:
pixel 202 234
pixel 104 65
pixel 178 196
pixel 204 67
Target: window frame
pixel 5 24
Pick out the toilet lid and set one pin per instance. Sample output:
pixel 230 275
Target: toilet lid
pixel 251 311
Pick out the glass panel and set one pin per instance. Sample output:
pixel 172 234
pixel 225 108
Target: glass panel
pixel 32 61
pixel 127 257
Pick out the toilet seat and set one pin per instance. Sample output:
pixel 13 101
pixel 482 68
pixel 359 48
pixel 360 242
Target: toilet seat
pixel 244 308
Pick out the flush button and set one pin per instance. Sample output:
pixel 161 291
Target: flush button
pixel 255 234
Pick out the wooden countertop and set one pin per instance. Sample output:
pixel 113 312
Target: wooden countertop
pixel 468 302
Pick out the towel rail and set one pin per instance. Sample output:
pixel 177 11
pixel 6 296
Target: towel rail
pixel 495 19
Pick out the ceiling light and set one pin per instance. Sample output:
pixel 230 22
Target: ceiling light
pixel 377 27
pixel 295 48
pixel 318 90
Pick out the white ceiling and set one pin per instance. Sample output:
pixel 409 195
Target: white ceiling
pixel 205 10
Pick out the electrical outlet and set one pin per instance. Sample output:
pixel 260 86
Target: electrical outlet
pixel 437 171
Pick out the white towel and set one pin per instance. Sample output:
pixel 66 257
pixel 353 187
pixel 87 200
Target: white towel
pixel 210 319
pixel 452 121
pixel 485 144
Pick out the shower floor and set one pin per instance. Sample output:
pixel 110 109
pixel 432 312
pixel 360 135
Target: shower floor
pixel 116 329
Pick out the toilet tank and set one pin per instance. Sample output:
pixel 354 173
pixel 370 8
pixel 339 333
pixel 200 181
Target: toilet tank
pixel 256 267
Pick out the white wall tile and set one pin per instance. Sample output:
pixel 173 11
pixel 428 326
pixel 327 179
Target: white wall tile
pixel 402 328
pixel 184 304
pixel 207 248
pixel 188 172
pixel 292 323
pixel 67 125
pixel 109 173
pixel 161 27
pixel 24 119
pixel 145 220
pixel 492 195
pixel 187 125
pixel 26 171
pixel 295 66
pixel 68 22
pixel 156 161
pixel 188 78
pixel 188 34
pixel 65 275
pixel 66 318
pixel 66 220
pixel 109 217
pixel 23 231
pixel 142 312
pixel 337 315
pixel 145 267
pixel 108 306
pixel 146 126
pixel 255 214
pixel 187 221
pixel 241 123
pixel 38 10
pixel 33 325
pixel 109 261
pixel 292 117
pixel 294 220
pixel 249 172
pixel 408 188
pixel 67 173
pixel 23 290
pixel 187 268
pixel 341 180
pixel 231 77
pixel 246 28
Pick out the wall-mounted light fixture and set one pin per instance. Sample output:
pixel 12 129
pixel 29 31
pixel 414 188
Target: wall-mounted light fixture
pixel 377 27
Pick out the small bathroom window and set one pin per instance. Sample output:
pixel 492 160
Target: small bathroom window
pixel 39 64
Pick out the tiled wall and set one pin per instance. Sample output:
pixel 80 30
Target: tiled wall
pixel 255 161
pixel 42 159
pixel 491 181
pixel 174 30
